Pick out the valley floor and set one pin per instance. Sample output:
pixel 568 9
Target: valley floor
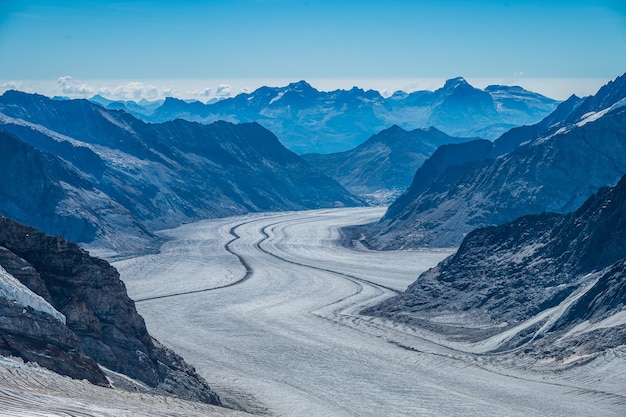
pixel 266 308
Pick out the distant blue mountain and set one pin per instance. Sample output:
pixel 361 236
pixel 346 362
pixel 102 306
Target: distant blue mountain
pixel 142 108
pixel 382 167
pixel 310 121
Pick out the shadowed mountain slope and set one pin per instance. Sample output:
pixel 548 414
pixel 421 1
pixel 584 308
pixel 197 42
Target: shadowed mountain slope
pixel 553 166
pixel 384 165
pixel 552 283
pixel 117 179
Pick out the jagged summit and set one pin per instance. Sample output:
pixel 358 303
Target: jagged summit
pixel 301 85
pixel 553 166
pixel 307 120
pixel 453 83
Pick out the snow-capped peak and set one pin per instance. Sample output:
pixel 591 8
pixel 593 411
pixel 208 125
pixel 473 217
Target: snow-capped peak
pixel 593 116
pixel 455 82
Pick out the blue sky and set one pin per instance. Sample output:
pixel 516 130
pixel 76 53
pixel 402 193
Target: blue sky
pixel 193 46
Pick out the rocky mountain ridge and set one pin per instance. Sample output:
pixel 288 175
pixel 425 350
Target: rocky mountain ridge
pixel 550 284
pixel 96 325
pixel 552 166
pixel 310 121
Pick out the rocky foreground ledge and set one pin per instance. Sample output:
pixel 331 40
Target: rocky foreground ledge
pixel 98 323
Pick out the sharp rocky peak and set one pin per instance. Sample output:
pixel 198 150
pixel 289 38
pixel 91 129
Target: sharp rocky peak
pixel 455 83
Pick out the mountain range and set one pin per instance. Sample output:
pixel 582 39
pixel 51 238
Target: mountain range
pixel 550 285
pixel 90 174
pixel 382 167
pixel 552 166
pixel 310 121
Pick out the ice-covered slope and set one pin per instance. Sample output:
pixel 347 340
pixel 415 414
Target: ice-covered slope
pixel 13 290
pixel 31 391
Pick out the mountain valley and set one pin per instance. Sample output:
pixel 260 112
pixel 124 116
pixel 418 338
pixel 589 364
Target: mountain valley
pixel 499 289
pixel 553 166
pixel 103 176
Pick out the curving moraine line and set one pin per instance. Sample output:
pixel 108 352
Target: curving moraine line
pixel 227 247
pixel 249 271
pixel 330 271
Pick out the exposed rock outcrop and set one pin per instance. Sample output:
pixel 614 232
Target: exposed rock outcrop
pixel 547 282
pixel 102 325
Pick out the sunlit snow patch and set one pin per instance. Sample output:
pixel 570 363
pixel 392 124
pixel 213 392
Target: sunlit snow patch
pixel 13 290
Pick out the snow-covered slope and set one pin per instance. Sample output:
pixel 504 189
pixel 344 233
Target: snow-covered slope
pixel 13 290
pixel 30 391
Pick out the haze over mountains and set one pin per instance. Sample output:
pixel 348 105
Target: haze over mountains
pixel 310 121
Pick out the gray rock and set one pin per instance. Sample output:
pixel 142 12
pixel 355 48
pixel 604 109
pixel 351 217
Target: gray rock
pixel 101 320
pixel 502 276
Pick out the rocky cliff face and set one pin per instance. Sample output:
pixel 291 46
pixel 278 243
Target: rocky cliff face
pixel 101 323
pixel 551 283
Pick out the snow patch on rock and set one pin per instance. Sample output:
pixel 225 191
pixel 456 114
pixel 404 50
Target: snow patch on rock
pixel 13 290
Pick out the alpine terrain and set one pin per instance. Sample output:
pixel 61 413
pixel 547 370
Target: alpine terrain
pixel 96 175
pixel 70 313
pixel 306 120
pixel 553 166
pixel 551 286
pixel 383 166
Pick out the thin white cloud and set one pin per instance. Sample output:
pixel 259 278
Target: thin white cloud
pixel 11 85
pixel 223 91
pixel 72 88
pixel 134 90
